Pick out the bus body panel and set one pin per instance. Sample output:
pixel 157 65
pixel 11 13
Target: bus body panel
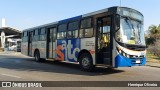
pixel 67 49
pixel 34 47
pixel 42 48
pixel 89 44
pixel 24 48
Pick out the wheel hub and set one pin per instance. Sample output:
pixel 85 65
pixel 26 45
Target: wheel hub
pixel 85 61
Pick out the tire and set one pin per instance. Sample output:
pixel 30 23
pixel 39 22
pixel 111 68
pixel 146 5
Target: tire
pixel 37 57
pixel 86 62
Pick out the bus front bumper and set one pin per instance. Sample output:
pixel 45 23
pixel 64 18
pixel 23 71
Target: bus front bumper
pixel 121 61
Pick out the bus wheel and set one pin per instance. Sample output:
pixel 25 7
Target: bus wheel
pixel 86 62
pixel 37 56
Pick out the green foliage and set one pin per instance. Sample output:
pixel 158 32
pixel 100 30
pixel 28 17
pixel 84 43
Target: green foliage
pixel 154 31
pixel 150 41
pixel 152 58
pixel 153 40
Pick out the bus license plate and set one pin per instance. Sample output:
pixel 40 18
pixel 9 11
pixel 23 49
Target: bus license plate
pixel 138 61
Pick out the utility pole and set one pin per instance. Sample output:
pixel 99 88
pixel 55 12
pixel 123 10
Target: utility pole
pixel 120 3
pixel 3 22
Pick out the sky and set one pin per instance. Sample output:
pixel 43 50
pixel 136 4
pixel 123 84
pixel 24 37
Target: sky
pixel 23 14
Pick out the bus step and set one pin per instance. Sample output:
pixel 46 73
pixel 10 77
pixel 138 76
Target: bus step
pixel 50 59
pixel 106 54
pixel 107 61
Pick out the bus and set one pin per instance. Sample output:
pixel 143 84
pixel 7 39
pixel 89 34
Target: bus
pixel 112 37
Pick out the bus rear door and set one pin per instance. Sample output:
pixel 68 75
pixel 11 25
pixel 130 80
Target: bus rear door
pixel 30 37
pixel 51 42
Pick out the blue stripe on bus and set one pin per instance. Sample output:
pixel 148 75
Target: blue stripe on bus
pixel 70 19
pixel 121 61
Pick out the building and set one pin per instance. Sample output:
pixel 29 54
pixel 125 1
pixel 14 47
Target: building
pixel 7 35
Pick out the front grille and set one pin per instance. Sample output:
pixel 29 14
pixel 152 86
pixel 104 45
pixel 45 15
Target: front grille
pixel 134 62
pixel 136 57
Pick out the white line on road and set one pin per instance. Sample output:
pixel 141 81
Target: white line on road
pixel 10 75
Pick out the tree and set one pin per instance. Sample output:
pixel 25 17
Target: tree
pixel 150 41
pixel 154 31
pixel 153 40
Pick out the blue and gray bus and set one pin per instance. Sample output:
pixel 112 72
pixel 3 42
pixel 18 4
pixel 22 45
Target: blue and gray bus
pixel 113 37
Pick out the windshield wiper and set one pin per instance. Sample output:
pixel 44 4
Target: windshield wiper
pixel 130 24
pixel 128 20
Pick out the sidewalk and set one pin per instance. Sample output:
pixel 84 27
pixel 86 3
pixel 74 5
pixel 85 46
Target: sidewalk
pixel 10 52
pixel 151 64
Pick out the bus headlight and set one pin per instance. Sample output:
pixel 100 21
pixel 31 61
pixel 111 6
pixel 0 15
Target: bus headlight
pixel 119 50
pixel 128 56
pixel 123 53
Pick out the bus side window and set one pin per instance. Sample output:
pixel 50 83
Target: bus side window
pixel 73 29
pixel 81 33
pixel 75 33
pixel 88 32
pixel 35 35
pixel 23 37
pixel 62 31
pixel 42 34
pixel 69 34
pixel 86 28
pixel 54 34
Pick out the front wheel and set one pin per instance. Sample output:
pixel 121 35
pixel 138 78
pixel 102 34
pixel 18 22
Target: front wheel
pixel 86 62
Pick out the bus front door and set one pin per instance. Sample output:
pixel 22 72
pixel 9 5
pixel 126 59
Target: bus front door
pixel 104 40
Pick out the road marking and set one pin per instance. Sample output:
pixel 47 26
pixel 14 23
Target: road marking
pixel 10 75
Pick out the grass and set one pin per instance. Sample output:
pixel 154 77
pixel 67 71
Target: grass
pixel 152 58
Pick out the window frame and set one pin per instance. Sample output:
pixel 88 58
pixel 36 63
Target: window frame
pixel 73 22
pixel 42 34
pixel 62 24
pixel 72 30
pixel 25 36
pixel 86 19
pixel 40 31
pixel 84 28
pixel 36 35
pixel 60 31
pixel 54 30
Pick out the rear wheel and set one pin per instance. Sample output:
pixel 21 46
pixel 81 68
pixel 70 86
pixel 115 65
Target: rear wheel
pixel 86 62
pixel 37 57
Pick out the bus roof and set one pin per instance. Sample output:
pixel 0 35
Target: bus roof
pixel 112 9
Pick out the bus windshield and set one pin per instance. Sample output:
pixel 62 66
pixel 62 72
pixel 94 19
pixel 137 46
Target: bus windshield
pixel 131 32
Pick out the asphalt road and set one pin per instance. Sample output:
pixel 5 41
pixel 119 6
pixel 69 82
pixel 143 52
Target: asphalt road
pixel 17 67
